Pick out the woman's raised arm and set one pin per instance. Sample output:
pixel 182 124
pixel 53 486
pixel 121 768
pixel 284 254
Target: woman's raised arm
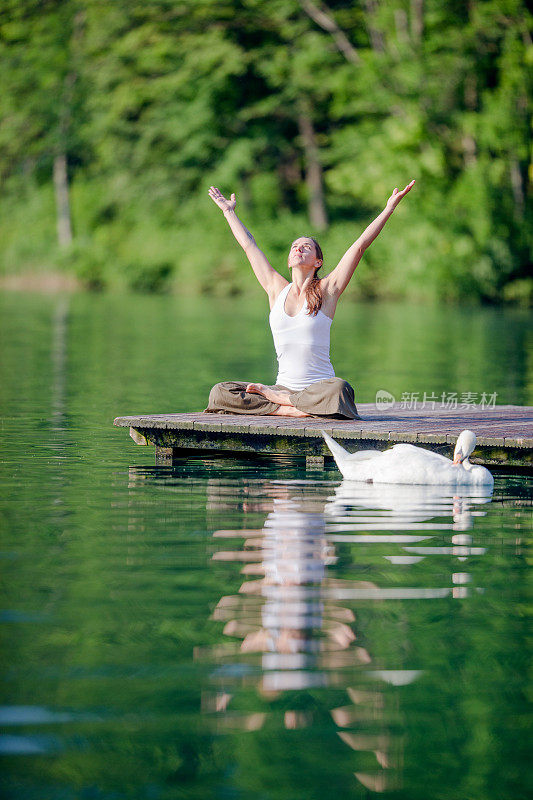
pixel 271 281
pixel 337 280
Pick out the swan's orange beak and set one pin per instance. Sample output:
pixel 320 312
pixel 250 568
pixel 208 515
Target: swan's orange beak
pixel 458 458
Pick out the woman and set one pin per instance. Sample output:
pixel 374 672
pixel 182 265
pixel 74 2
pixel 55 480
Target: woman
pixel 301 314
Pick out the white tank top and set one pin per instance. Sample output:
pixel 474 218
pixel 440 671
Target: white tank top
pixel 302 345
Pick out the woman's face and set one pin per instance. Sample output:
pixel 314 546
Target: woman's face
pixel 303 253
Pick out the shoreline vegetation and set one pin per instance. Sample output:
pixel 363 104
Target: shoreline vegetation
pixel 118 117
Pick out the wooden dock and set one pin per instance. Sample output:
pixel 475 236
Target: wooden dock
pixel 504 433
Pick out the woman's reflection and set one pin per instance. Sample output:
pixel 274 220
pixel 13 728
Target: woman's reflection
pixel 288 607
pixel 290 554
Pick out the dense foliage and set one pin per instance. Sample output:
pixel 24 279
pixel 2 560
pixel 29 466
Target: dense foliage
pixel 117 116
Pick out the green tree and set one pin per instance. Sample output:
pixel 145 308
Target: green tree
pixel 39 104
pixel 311 111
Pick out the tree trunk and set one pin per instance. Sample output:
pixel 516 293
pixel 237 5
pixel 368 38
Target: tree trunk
pixel 468 141
pixel 324 18
pixel 64 228
pixel 400 22
pixel 417 20
pixel 517 186
pixel 313 171
pixel 376 37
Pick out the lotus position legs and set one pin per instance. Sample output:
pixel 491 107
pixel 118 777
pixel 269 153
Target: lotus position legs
pixel 281 397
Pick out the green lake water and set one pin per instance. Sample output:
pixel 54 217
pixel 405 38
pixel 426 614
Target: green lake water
pixel 244 628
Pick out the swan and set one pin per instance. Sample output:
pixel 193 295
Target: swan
pixel 405 463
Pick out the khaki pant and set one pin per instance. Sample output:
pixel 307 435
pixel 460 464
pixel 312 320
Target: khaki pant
pixel 332 397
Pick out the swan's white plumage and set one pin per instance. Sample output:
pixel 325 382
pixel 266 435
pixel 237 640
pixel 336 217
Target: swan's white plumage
pixel 405 463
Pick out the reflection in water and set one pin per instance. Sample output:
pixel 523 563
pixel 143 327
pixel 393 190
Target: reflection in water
pixel 109 593
pixel 299 621
pixel 59 365
pixel 412 508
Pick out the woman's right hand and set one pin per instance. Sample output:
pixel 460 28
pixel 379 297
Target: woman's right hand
pixel 223 203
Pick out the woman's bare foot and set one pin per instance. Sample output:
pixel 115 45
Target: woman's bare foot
pixel 281 397
pixel 255 388
pixel 289 411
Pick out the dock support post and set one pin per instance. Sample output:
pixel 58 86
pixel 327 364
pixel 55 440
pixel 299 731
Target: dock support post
pixel 164 456
pixel 137 437
pixel 314 462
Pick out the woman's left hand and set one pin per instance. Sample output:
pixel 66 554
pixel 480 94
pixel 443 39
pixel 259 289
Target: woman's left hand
pixel 396 196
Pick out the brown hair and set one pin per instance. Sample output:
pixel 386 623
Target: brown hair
pixel 313 295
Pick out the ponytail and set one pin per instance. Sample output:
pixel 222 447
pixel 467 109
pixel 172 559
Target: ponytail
pixel 313 295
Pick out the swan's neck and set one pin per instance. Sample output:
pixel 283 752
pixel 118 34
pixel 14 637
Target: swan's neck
pixel 467 465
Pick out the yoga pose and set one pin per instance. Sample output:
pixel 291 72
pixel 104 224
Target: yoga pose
pixel 301 314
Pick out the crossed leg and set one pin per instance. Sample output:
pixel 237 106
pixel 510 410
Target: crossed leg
pixel 286 408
